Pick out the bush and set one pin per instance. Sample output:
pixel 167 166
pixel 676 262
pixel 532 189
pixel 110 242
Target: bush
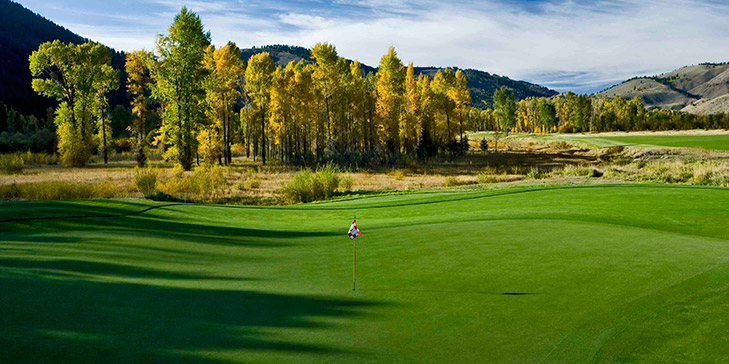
pixel 307 186
pixel 455 182
pixel 535 173
pixel 146 181
pixel 300 187
pixel 346 183
pixel 11 163
pixel 248 184
pixel 204 183
pixel 484 178
pixel 123 145
pixel 398 175
pixel 40 158
pixel 328 178
pixel 252 183
pixel 484 145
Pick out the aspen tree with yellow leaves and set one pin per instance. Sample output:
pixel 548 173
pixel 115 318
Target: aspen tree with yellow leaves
pixel 390 90
pixel 138 80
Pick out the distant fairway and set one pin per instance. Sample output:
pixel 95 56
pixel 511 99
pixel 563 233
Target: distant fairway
pixel 606 274
pixel 705 141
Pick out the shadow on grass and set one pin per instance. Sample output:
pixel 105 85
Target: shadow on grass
pixel 75 321
pixel 70 268
pixel 150 226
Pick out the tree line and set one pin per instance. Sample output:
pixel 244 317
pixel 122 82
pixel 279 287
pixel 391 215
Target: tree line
pixel 571 113
pixel 208 99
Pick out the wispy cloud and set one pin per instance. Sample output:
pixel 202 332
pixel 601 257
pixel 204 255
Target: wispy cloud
pixel 564 44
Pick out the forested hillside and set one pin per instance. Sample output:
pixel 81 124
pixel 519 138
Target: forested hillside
pixel 21 32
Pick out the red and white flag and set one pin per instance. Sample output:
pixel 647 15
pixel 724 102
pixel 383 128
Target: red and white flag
pixel 353 230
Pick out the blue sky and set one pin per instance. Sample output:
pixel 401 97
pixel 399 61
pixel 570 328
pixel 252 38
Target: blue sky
pixel 582 46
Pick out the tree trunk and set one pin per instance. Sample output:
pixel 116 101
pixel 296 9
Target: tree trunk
pixel 103 137
pixel 263 134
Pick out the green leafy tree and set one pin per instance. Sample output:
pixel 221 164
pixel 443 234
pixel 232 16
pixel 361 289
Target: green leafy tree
pixel 504 109
pixel 180 74
pixel 547 114
pixel 78 76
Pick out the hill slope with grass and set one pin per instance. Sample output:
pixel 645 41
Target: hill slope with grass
pixel 604 274
pixel 700 89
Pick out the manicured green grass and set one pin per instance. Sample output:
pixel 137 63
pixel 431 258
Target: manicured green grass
pixel 706 141
pixel 625 273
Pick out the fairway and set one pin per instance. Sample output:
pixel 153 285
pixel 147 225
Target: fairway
pixel 704 141
pixel 614 273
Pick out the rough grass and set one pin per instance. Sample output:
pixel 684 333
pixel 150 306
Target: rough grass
pixel 55 190
pixel 11 163
pixel 603 274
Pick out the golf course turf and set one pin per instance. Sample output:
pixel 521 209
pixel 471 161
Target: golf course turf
pixel 598 273
pixel 704 141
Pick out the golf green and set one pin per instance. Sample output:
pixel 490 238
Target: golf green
pixel 613 273
pixel 704 141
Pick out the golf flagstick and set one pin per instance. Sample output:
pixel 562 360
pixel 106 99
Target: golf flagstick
pixel 353 234
pixel 354 261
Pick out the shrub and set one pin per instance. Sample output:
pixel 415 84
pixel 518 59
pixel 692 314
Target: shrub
pixel 11 163
pixel 40 158
pixel 613 172
pixel 248 184
pixel 300 187
pixel 252 183
pixel 398 175
pixel 122 145
pixel 328 178
pixel 560 145
pixel 146 181
pixel 535 173
pixel 307 186
pixel 484 178
pixel 483 145
pixel 346 183
pixel 455 182
pixel 207 181
pixel 204 183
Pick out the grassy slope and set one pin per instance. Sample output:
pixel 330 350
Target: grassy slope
pixel 607 273
pixel 716 142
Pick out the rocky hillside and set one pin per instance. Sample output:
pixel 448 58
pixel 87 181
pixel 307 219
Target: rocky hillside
pixel 701 89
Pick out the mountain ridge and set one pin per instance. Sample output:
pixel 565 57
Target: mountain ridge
pixel 699 89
